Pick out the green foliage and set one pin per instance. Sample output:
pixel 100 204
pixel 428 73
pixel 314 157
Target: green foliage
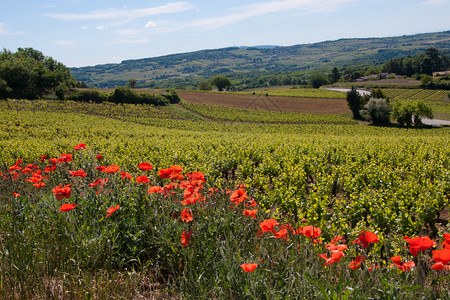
pixel 88 95
pixel 221 82
pixel 126 95
pixel 204 86
pixel 378 94
pixel 408 112
pixel 377 110
pixel 425 63
pixel 172 96
pixel 61 91
pixel 355 102
pixel 317 80
pixel 335 75
pixel 28 74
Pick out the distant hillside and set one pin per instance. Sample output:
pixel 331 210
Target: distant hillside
pixel 190 68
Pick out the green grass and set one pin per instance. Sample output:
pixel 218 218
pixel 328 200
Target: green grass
pixel 341 178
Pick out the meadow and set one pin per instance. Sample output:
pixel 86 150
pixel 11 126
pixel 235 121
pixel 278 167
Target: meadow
pixel 125 201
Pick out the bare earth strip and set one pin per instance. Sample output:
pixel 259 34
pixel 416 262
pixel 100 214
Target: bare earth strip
pixel 272 103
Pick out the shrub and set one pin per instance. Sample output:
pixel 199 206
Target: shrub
pixel 409 112
pixel 172 96
pixel 89 95
pixel 377 110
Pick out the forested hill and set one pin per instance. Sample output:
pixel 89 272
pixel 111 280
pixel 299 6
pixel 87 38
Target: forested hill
pixel 187 69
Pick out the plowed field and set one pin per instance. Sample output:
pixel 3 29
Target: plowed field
pixel 273 103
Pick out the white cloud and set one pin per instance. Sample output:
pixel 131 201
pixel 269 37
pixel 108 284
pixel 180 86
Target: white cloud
pixel 150 24
pixel 264 8
pixel 434 2
pixel 102 27
pixel 84 27
pixel 5 31
pixel 64 43
pixel 113 13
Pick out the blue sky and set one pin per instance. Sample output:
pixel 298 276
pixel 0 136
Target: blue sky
pixel 79 32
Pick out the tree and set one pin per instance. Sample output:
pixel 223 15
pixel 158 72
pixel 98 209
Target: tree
pixel 204 86
pixel 408 112
pixel 220 82
pixel 377 110
pixel 317 80
pixel 29 74
pixel 132 83
pixel 335 75
pixel 355 102
pixel 378 94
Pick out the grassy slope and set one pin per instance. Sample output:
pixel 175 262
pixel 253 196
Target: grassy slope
pixel 318 56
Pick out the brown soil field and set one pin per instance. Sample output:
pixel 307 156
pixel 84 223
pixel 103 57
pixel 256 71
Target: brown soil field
pixel 272 103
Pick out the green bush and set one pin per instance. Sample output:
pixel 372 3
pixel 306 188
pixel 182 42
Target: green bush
pixel 89 95
pixel 408 112
pixel 377 110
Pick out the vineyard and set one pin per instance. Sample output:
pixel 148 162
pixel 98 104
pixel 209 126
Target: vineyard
pixel 306 172
pixel 415 94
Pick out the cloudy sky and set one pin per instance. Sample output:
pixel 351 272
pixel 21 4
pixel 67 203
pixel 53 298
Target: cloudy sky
pixel 80 32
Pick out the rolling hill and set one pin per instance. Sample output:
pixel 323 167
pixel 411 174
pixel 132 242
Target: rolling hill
pixel 190 68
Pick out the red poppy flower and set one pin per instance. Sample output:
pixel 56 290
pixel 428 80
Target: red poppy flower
pixel 335 257
pixel 250 212
pixel 442 255
pixel 185 238
pixel 249 267
pixel 80 147
pixel 43 157
pixel 80 173
pixel 142 179
pixel 402 266
pixel 67 207
pixel 282 234
pixel 419 244
pixel 145 166
pixel 99 157
pixel 39 184
pixel 238 196
pixel 356 263
pixel 65 157
pixel 50 168
pixel 196 178
pixel 365 238
pixel 98 181
pixel 186 215
pixel 125 175
pixel 154 189
pixel 16 195
pixel 111 169
pixel 267 225
pixel 62 191
pixel 446 243
pixel 312 231
pixel 111 210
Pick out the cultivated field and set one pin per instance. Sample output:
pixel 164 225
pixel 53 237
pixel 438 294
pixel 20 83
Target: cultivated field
pixel 271 103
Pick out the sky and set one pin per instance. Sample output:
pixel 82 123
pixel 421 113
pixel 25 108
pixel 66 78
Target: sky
pixel 85 33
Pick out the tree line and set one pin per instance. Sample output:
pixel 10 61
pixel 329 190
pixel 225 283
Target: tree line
pixel 28 74
pixel 124 95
